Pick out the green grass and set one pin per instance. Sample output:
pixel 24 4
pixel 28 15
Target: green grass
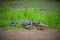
pixel 7 15
pixel 51 19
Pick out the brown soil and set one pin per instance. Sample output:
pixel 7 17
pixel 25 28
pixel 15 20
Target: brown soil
pixel 29 35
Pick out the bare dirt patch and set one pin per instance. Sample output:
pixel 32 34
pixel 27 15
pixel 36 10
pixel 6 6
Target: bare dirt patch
pixel 29 35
